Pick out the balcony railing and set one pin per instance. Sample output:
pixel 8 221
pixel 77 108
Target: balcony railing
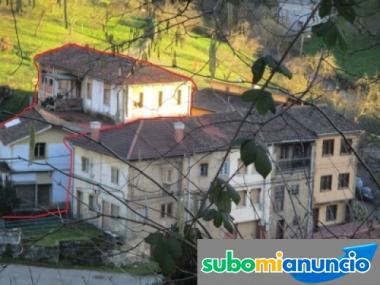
pixel 294 164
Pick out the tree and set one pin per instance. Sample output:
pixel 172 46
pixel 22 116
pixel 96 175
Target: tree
pixel 8 198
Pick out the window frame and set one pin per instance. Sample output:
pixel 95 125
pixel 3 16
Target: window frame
pixel 107 90
pixel 37 150
pixel 85 161
pixel 279 193
pixel 328 212
pixel 203 169
pixel 345 174
pixel 320 184
pixel 332 146
pixel 344 149
pixel 140 102
pixel 179 97
pixel 294 187
pixel 160 98
pixel 115 174
pixel 89 89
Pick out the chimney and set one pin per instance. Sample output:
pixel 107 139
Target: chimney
pixel 95 130
pixel 179 131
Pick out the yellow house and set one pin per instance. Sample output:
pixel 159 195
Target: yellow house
pixel 334 178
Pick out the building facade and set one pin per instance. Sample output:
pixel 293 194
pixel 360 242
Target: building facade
pixel 77 78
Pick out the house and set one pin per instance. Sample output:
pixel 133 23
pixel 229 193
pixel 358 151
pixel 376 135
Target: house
pixel 182 156
pixel 294 13
pixel 335 166
pixel 79 78
pixel 36 173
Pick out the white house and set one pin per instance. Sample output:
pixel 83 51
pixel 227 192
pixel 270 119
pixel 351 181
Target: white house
pixel 78 78
pixel 36 174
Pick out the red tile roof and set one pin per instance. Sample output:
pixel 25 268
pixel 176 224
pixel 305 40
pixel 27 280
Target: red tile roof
pixel 111 68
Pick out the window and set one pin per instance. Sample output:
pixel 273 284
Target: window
pixel 279 198
pixel 166 210
pixel 85 164
pixel 91 202
pixel 140 100
pixel 242 169
pixel 107 94
pixel 162 211
pixel 345 147
pixel 89 89
pixel 160 98
pixel 40 150
pixel 243 198
pixel 331 212
pixel 179 97
pixel 225 168
pixel 115 210
pixel 169 209
pixel 115 175
pixel 168 175
pixel 344 180
pixel 284 151
pixel 326 182
pixel 296 220
pixel 328 147
pixel 51 82
pixel 204 169
pixel 295 189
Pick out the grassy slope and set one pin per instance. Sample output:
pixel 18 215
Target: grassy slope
pixel 357 61
pixel 87 29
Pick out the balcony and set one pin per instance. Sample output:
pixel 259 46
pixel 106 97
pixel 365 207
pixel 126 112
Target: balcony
pixel 295 164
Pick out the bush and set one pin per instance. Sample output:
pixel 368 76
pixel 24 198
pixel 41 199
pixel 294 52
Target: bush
pixel 8 198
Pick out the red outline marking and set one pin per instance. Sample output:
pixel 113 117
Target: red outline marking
pixel 66 140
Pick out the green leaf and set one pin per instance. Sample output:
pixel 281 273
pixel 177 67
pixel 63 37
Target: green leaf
pixel 209 214
pixel 164 259
pixel 224 202
pixel 215 191
pixel 227 223
pixel 174 246
pixel 154 238
pixel 345 9
pixel 218 220
pixel 325 8
pixel 328 32
pixel 233 194
pixel 331 36
pixel 263 164
pixel 275 66
pixel 263 100
pixel 342 43
pixel 247 152
pixel 258 69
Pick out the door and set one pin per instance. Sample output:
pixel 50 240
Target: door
pixel 44 196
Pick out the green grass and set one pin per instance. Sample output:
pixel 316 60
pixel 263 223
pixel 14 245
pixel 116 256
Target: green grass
pixel 14 103
pixel 87 28
pixel 69 233
pixel 360 59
